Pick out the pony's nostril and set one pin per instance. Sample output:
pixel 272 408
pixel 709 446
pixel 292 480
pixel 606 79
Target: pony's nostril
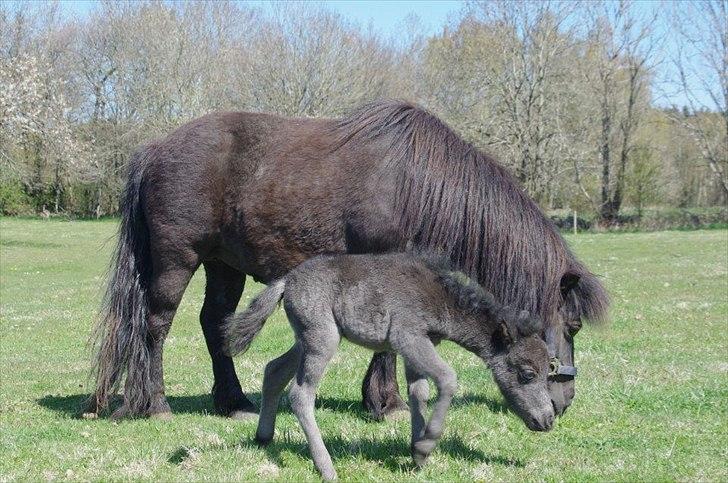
pixel 558 409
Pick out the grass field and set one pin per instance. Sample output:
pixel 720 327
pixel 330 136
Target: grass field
pixel 652 391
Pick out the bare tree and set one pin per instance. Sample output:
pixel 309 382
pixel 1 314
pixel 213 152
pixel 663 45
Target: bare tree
pixel 701 64
pixel 621 49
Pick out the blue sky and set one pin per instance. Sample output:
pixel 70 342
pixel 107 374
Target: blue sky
pixel 387 16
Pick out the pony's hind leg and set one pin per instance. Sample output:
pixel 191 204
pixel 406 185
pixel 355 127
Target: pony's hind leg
pixel 319 340
pixel 278 373
pixel 222 293
pixel 165 293
pixel 422 360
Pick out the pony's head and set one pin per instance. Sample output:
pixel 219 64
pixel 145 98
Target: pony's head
pixel 520 365
pixel 579 296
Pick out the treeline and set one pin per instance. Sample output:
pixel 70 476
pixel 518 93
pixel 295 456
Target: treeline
pixel 564 93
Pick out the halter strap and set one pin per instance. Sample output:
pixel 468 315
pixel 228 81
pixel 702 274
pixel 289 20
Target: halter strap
pixel 556 368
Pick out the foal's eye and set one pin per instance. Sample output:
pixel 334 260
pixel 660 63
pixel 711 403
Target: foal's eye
pixel 526 375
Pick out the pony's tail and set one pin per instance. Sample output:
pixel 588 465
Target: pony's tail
pixel 121 336
pixel 240 329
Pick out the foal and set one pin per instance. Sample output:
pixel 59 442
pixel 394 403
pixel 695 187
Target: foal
pixel 400 303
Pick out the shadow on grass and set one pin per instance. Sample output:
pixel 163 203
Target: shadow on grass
pixel 72 405
pixel 393 453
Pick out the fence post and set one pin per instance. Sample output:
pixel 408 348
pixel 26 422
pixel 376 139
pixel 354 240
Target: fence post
pixel 575 223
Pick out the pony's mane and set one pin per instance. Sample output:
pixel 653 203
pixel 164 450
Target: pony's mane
pixel 454 199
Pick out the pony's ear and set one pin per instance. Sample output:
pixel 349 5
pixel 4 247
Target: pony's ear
pixel 569 281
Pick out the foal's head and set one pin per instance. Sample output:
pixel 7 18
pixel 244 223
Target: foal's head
pixel 520 365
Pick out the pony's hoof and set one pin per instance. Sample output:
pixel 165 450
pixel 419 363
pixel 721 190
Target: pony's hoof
pixel 122 412
pixel 242 415
pixel 162 416
pixel 263 441
pixel 398 415
pixel 395 409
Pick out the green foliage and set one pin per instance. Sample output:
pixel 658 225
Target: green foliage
pixel 14 200
pixel 650 401
pixel 643 179
pixel 647 219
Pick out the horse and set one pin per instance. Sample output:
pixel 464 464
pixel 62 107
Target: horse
pixel 255 194
pixel 401 303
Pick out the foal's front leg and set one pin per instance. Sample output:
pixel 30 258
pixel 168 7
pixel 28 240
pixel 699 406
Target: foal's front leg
pixel 418 391
pixel 422 359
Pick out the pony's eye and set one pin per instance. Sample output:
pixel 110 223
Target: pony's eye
pixel 526 375
pixel 573 327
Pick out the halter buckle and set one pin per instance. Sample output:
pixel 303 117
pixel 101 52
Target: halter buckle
pixel 557 369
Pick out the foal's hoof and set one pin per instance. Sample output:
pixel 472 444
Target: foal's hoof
pixel 242 415
pixel 329 475
pixel 421 451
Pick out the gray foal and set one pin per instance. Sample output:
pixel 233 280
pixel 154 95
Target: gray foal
pixel 401 303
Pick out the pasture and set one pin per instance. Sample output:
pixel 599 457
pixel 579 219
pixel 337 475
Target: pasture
pixel 651 399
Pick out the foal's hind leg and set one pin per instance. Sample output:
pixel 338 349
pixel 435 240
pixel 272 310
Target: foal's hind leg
pixel 278 373
pixel 222 293
pixel 318 342
pixel 422 359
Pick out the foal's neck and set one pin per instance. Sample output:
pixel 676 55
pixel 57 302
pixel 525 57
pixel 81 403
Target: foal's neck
pixel 472 334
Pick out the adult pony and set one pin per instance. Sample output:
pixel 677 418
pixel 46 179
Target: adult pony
pixel 257 194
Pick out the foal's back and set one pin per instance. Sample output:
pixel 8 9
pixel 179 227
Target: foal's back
pixel 364 295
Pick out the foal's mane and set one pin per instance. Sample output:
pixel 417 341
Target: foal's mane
pixel 454 199
pixel 471 298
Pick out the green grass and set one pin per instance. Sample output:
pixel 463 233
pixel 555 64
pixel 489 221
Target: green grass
pixel 652 391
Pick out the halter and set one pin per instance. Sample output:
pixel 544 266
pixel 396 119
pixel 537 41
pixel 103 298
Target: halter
pixel 556 368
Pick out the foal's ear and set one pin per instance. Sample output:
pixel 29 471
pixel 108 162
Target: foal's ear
pixel 506 332
pixel 569 281
pixel 528 325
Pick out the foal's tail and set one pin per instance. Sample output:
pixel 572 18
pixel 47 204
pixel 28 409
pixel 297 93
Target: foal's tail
pixel 240 329
pixel 121 336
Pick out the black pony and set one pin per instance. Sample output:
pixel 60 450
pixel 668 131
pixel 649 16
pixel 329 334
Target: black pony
pixel 257 194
